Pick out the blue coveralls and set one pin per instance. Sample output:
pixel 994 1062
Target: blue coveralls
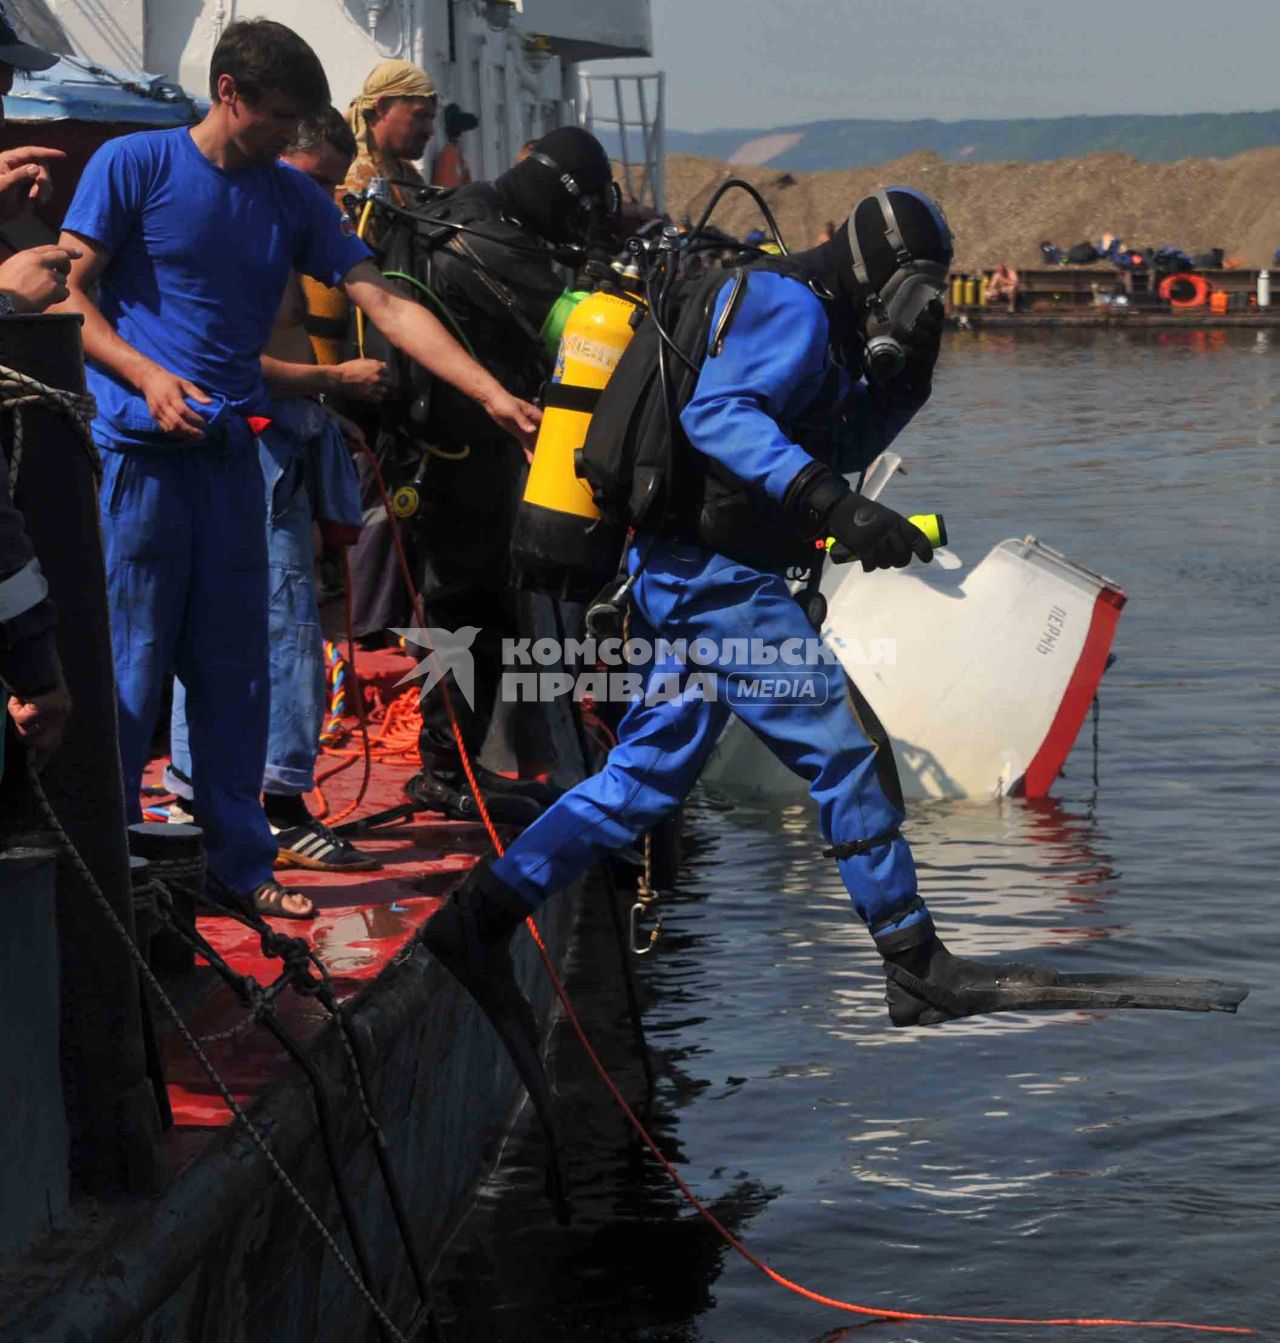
pixel 185 540
pixel 771 367
pixel 307 474
pixel 198 257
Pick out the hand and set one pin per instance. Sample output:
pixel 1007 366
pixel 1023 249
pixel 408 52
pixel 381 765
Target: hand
pixel 518 418
pixel 362 379
pixel 926 340
pixel 41 721
pixel 24 179
pixel 166 393
pixel 876 535
pixel 350 430
pixel 36 278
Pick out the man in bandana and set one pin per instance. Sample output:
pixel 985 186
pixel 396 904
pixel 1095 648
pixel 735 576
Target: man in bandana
pixel 393 120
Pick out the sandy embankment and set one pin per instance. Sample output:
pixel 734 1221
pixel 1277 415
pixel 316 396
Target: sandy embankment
pixel 1001 211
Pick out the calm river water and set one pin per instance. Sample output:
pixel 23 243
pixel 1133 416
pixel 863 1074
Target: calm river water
pixel 1098 1165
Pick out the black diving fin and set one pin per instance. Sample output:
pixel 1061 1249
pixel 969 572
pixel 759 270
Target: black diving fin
pixel 928 985
pixel 470 936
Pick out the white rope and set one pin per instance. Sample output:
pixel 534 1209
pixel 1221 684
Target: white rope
pixel 18 390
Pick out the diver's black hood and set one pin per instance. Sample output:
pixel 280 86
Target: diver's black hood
pixel 533 193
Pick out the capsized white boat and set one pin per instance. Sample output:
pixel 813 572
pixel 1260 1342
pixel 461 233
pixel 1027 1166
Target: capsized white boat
pixel 981 676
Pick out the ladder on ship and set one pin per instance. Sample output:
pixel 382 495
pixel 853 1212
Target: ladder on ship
pixel 629 113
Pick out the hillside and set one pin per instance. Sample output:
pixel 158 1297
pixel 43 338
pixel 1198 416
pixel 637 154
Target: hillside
pixel 1001 211
pixel 822 146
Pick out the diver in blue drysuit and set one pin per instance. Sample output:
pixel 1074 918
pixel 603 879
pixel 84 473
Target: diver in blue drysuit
pixel 846 336
pixel 778 363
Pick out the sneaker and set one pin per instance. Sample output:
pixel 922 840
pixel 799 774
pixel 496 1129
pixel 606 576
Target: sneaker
pixel 312 844
pixel 177 814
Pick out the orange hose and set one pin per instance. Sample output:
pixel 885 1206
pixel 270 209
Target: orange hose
pixel 643 1133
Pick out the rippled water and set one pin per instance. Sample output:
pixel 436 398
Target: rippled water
pixel 1072 1164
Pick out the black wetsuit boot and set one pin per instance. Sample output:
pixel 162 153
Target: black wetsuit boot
pixel 443 786
pixel 927 985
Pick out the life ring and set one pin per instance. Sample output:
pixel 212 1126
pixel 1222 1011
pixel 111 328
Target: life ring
pixel 1199 287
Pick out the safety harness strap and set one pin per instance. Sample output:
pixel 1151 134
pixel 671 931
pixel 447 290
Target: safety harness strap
pixel 856 848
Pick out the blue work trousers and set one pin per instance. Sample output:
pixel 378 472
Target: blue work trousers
pixel 756 632
pixel 293 616
pixel 185 541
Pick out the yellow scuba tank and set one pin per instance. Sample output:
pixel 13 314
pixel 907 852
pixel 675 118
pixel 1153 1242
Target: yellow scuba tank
pixel 328 313
pixel 560 543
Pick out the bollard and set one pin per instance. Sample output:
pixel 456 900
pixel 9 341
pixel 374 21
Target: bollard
pixel 176 855
pixel 1264 289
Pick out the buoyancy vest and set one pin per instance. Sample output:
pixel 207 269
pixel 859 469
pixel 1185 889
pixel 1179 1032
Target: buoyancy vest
pixel 643 470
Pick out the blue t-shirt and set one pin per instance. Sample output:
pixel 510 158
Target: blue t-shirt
pixel 200 258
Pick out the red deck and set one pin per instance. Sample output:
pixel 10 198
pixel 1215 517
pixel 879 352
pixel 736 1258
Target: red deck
pixel 364 920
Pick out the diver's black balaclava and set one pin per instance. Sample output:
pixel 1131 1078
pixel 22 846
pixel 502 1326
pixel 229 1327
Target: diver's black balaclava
pixel 533 193
pixel 924 231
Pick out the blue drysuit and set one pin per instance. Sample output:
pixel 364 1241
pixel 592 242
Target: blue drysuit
pixel 771 368
pixel 307 475
pixel 198 259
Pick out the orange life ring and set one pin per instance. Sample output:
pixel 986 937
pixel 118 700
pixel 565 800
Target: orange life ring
pixel 1199 289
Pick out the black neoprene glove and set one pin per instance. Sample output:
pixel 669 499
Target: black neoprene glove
pixel 926 340
pixel 876 535
pixel 825 506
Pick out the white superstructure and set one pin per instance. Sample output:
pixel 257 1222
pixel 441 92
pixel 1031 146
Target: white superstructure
pixel 512 62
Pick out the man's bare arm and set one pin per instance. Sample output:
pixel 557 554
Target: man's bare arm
pixel 360 379
pixel 420 335
pixel 165 392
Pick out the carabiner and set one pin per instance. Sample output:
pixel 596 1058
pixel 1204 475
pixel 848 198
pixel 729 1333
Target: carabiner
pixel 638 911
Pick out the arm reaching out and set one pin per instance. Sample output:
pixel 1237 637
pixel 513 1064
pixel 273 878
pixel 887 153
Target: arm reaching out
pixel 415 331
pixel 165 392
pixel 359 379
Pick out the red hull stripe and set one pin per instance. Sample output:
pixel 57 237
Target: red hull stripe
pixel 1061 737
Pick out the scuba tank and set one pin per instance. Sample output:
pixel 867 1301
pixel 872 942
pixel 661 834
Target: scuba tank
pixel 326 321
pixel 561 544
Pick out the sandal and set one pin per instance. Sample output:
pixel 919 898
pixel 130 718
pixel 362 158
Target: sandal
pixel 270 897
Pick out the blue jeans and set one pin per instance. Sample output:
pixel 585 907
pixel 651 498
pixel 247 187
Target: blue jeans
pixel 184 538
pixel 686 593
pixel 298 684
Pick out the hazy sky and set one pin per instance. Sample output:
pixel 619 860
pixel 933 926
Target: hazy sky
pixel 747 63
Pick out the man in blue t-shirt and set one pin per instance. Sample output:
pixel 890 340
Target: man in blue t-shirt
pixel 190 237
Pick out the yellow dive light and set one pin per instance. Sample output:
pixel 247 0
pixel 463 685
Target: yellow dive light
pixel 931 524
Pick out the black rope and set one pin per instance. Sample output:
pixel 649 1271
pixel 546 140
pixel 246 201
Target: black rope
pixel 299 963
pixel 385 1323
pixel 296 971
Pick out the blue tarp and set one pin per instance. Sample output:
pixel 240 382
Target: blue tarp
pixel 75 90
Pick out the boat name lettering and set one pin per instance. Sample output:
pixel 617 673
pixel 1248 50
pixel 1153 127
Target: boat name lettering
pixel 1053 627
